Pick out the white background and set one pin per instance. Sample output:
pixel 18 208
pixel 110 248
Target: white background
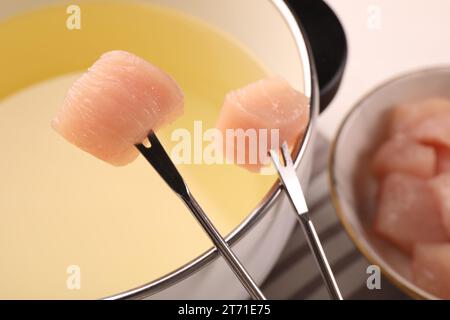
pixel 386 38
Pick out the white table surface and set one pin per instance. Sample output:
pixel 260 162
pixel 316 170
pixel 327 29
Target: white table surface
pixel 386 38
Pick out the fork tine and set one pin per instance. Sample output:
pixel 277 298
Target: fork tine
pixel 153 139
pixel 286 154
pixel 160 160
pixel 275 159
pixel 142 149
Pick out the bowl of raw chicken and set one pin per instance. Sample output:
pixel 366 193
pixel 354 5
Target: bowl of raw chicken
pixel 390 180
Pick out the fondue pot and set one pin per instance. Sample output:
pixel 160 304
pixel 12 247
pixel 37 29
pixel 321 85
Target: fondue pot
pixel 277 34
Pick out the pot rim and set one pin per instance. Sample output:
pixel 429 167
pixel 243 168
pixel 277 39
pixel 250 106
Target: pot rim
pixel 311 91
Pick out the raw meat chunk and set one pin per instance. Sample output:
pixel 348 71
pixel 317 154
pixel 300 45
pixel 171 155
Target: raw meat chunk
pixel 267 104
pixel 431 268
pixel 115 104
pixel 408 212
pixel 443 160
pixel 400 154
pixel 406 116
pixel 441 188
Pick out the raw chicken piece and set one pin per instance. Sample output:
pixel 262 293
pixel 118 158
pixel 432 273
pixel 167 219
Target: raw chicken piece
pixel 431 268
pixel 408 212
pixel 269 104
pixel 400 154
pixel 406 116
pixel 115 104
pixel 441 188
pixel 443 160
pixel 433 130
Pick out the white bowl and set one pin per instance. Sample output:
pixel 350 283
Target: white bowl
pixel 353 187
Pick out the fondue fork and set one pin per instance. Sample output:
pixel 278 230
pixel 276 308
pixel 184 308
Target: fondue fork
pixel 160 160
pixel 293 188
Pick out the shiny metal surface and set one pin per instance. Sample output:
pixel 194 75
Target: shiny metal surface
pixel 161 162
pixel 296 196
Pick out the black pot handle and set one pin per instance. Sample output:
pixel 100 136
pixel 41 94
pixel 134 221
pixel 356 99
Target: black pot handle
pixel 328 43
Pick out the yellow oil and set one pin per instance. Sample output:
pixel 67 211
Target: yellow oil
pixel 60 207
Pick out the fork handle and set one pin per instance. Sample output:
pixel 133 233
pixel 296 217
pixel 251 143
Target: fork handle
pixel 295 194
pixel 293 188
pixel 223 248
pixel 316 247
pixel 160 161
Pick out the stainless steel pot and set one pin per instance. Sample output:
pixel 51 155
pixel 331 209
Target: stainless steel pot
pixel 270 30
